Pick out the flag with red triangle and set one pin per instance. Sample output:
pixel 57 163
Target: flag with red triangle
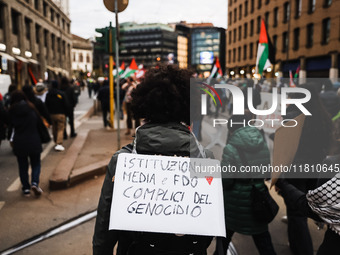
pixel 263 51
pixel 131 69
pixel 216 71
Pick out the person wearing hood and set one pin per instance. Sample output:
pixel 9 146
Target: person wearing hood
pixel 26 141
pixel 239 216
pixel 57 105
pixel 163 101
pixel 40 91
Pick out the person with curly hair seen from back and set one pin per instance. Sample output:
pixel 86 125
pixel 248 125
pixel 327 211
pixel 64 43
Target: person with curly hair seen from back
pixel 163 100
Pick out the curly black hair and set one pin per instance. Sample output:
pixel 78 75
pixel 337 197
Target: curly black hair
pixel 163 95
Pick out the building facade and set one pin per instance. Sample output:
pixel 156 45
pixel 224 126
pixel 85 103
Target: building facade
pixel 149 44
pixel 82 56
pixel 35 40
pixel 304 34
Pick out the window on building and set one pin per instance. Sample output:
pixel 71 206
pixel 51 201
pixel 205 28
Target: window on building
pixel 27 1
pixel 28 28
pixel 15 22
pixel 36 4
pixel 68 28
pixel 252 6
pixel 63 23
pixel 230 18
pixel 53 42
pixel 298 6
pixel 239 54
pixel 240 12
pixel 326 29
pixel 234 55
pixel 37 31
pixel 310 34
pixel 45 9
pixel 58 20
pixel 234 35
pixel 311 6
pixel 1 16
pixel 87 58
pixel 239 33
pixel 266 19
pixel 58 45
pixel 251 27
pixel 45 37
pixel 245 8
pixel 52 15
pixel 245 32
pixel 259 4
pixel 296 38
pixel 267 1
pixel 327 3
pixel 275 42
pixel 284 42
pixel 275 16
pixel 286 12
pixel 244 52
pixel 235 14
pixel 81 58
pixel 74 57
pixel 229 56
pixel 251 50
pixel 258 27
pixel 229 37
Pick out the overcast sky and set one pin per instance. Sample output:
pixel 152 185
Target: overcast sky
pixel 86 15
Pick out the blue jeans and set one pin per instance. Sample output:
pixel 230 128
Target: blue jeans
pixel 23 170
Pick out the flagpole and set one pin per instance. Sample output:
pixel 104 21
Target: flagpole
pixel 117 75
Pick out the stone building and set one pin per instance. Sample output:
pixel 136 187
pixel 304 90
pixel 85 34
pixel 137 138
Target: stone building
pixel 304 33
pixel 35 40
pixel 82 55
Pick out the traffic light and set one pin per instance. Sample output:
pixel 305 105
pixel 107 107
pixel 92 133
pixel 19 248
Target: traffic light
pixel 103 42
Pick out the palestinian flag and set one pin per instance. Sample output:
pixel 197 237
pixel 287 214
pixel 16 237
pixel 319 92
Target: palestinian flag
pixel 296 75
pixel 265 53
pixel 131 69
pixel 216 72
pixel 291 81
pixel 121 70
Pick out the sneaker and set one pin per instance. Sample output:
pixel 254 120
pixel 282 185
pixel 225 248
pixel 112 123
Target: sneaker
pixel 59 147
pixel 26 192
pixel 37 190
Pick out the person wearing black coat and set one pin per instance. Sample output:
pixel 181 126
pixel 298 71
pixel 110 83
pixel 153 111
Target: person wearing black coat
pixel 58 106
pixel 26 141
pixel 104 98
pixel 72 99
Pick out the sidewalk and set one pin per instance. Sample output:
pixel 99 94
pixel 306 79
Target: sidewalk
pixel 23 218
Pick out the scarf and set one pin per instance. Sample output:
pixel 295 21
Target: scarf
pixel 325 201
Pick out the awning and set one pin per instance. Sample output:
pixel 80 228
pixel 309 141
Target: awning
pixel 7 56
pixel 21 59
pixel 51 68
pixel 33 61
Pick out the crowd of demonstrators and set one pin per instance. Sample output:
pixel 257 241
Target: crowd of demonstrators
pixel 27 146
pixel 72 99
pixel 129 86
pixel 162 99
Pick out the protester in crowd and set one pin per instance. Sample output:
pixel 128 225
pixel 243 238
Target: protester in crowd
pixel 26 141
pixel 329 98
pixel 162 99
pixel 7 96
pixel 3 121
pixel 320 204
pixel 315 141
pixel 72 99
pixel 57 105
pixel 38 104
pixel 129 86
pixel 104 98
pixel 40 91
pixel 246 146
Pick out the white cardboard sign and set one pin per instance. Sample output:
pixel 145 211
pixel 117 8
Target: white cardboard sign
pixel 162 194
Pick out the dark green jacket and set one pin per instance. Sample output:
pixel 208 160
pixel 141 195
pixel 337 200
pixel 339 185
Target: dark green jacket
pixel 237 191
pixel 162 139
